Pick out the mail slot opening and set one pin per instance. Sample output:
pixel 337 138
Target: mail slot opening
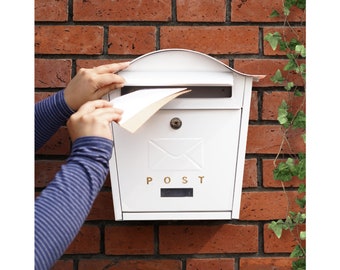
pixel 177 192
pixel 196 91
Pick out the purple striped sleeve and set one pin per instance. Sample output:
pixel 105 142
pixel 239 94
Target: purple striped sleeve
pixel 64 204
pixel 49 115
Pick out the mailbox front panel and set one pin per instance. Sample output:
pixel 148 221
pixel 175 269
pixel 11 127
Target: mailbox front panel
pixel 162 168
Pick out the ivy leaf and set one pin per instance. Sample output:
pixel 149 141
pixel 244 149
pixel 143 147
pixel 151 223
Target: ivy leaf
pixel 276 227
pixel 286 11
pixel 273 39
pixel 303 235
pixel 299 218
pixel 301 70
pixel 292 44
pixel 291 65
pixel 301 4
pixel 304 137
pixel 300 49
pixel 282 116
pixel 289 86
pixel 302 188
pixel 300 120
pixel 301 202
pixel 277 78
pixel 298 93
pixel 282 172
pixel 301 167
pixel 297 252
pixel 274 14
pixel 299 264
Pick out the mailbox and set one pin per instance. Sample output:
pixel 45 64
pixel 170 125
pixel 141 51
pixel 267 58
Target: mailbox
pixel 186 162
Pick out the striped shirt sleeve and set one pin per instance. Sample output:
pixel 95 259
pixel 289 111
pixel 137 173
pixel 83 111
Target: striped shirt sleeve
pixel 49 115
pixel 64 204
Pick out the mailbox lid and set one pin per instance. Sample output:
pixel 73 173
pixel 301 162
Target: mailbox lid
pixel 176 67
pixel 175 78
pixel 185 68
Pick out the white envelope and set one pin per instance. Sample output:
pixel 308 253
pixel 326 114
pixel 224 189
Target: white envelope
pixel 176 154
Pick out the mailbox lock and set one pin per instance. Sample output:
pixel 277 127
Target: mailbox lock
pixel 176 123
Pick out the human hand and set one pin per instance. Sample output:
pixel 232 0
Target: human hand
pixel 93 119
pixel 93 83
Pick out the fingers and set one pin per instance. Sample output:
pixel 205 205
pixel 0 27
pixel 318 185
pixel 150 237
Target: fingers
pixel 107 79
pixel 93 119
pixel 93 105
pixel 109 82
pixel 93 83
pixel 111 68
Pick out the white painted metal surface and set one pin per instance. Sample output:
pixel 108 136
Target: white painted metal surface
pixel 196 171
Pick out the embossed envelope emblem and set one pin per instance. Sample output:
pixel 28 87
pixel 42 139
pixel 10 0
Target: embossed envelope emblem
pixel 176 154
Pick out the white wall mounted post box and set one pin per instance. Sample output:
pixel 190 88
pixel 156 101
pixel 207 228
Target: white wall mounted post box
pixel 186 162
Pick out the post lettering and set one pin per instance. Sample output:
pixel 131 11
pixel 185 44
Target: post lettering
pixel 148 180
pixel 201 179
pixel 167 180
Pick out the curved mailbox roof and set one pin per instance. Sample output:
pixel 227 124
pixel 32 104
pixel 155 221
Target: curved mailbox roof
pixel 179 66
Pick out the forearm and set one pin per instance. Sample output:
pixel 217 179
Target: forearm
pixel 64 204
pixel 50 114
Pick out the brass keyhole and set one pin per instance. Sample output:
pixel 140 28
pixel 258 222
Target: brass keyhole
pixel 176 123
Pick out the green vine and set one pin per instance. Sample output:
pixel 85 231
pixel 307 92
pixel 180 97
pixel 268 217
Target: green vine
pixel 294 166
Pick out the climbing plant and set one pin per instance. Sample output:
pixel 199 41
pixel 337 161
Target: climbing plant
pixel 291 118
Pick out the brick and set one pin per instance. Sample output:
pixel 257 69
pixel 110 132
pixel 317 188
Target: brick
pixel 267 139
pixel 253 115
pixel 285 244
pixel 211 39
pixel 86 242
pixel 108 10
pixel 63 265
pixel 131 39
pixel 45 171
pixel 51 73
pixel 273 99
pixel 267 67
pixel 58 144
pixel 201 10
pixel 268 177
pixel 51 10
pixel 226 238
pixel 266 205
pixel 120 240
pixel 259 11
pixel 102 208
pixel 288 34
pixel 277 263
pixel 69 39
pixel 130 264
pixel 211 264
pixel 250 173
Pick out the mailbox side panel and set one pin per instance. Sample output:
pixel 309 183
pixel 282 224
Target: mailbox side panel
pixel 245 84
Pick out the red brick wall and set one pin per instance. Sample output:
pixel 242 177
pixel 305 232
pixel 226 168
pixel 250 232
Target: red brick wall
pixel 74 34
